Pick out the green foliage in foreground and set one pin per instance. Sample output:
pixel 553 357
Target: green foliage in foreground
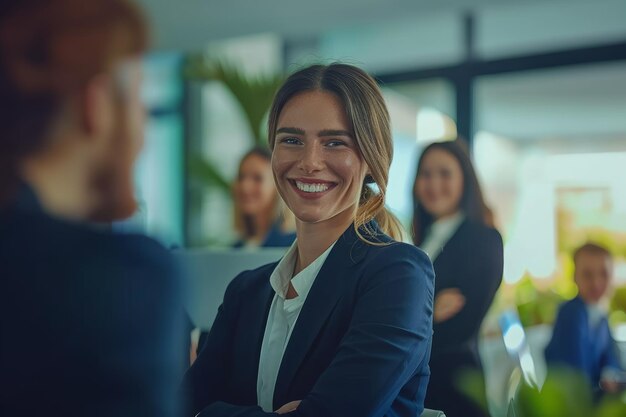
pixel 565 393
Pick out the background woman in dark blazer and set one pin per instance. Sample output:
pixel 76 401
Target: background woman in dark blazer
pixel 454 226
pixel 342 325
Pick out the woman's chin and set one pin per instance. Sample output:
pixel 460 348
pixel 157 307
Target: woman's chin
pixel 309 216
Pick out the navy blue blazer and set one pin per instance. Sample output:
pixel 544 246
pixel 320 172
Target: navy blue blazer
pixel 360 346
pixel 276 238
pixel 90 320
pixel 575 345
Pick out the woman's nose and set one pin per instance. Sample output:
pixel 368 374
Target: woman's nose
pixel 311 158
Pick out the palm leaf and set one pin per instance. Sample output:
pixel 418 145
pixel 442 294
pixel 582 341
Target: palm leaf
pixel 255 95
pixel 205 172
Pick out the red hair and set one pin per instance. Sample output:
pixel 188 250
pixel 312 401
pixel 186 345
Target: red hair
pixel 49 49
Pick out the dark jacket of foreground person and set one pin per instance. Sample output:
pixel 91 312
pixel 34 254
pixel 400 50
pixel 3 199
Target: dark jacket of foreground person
pixel 90 319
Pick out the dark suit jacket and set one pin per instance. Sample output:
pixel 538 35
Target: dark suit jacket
pixel 472 260
pixel 360 346
pixel 575 345
pixel 276 238
pixel 89 320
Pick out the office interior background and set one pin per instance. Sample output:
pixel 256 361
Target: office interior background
pixel 538 89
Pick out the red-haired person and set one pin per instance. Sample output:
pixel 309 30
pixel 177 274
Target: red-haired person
pixel 90 319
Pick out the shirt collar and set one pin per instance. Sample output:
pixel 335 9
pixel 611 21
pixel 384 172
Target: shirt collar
pixel 446 227
pixel 303 281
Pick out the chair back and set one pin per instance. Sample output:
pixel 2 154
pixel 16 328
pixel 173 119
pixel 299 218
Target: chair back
pixel 432 413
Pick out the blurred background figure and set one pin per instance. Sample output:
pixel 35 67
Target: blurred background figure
pixel 455 228
pixel 261 219
pixel 89 319
pixel 581 338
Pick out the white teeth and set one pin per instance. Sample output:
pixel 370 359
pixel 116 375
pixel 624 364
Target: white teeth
pixel 311 188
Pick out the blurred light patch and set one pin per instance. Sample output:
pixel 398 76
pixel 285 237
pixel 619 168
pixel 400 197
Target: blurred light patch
pixel 514 264
pixel 512 332
pixel 528 367
pixel 433 126
pixel 514 338
pixel 619 333
pixel 516 345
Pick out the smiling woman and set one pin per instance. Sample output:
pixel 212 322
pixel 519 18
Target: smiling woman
pixel 454 226
pixel 320 172
pixel 349 98
pixel 260 217
pixel 342 325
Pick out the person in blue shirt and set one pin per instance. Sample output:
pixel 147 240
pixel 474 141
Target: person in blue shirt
pixel 261 218
pixel 581 338
pixel 342 325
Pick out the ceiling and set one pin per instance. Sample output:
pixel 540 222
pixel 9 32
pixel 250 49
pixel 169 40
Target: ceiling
pixel 190 24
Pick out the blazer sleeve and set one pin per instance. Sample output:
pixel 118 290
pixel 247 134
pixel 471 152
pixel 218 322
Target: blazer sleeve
pixel 567 346
pixel 204 382
pixel 610 356
pixel 388 339
pixel 132 299
pixel 478 285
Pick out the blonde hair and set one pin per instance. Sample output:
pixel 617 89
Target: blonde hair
pixel 370 123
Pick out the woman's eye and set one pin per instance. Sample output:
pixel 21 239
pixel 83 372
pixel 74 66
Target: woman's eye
pixel 335 143
pixel 445 174
pixel 290 141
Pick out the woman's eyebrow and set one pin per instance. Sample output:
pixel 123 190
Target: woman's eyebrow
pixel 334 132
pixel 291 130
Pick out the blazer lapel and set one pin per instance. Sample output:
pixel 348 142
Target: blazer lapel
pixel 324 295
pixel 456 237
pixel 254 314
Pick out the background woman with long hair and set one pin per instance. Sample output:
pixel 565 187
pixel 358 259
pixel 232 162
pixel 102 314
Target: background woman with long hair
pixel 261 218
pixel 454 226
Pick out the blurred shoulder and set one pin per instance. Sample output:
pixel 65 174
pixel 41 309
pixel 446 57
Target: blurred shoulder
pixel 481 229
pixel 135 248
pixel 97 252
pixel 487 236
pixel 394 251
pixel 573 308
pixel 251 280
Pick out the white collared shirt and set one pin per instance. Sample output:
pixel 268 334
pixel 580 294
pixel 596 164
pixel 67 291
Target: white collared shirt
pixel 595 314
pixel 282 319
pixel 439 233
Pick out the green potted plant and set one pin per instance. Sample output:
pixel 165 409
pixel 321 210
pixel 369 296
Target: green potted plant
pixel 254 95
